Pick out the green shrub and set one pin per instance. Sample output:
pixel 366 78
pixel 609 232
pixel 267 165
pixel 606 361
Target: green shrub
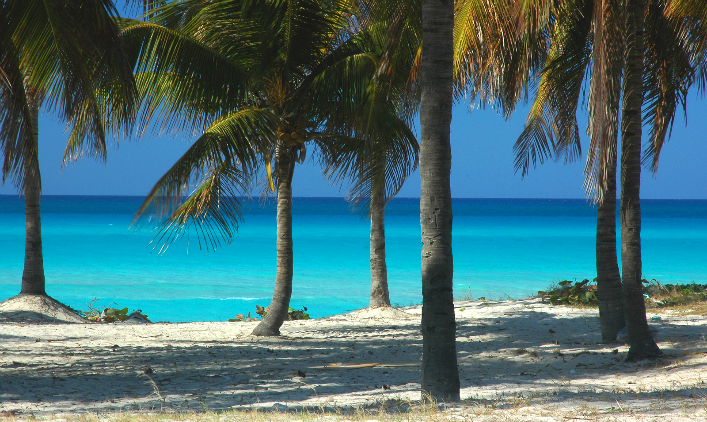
pixel 292 314
pixel 568 292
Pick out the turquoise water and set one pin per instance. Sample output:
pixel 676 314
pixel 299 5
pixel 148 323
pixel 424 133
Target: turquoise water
pixel 502 248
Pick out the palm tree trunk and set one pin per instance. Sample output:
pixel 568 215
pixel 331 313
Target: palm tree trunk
pixel 277 312
pixel 611 307
pixel 379 272
pixel 33 274
pixel 641 342
pixel 440 375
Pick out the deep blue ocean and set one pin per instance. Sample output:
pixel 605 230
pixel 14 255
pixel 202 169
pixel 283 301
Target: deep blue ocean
pixel 502 248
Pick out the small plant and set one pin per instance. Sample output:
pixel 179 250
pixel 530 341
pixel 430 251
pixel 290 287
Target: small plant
pixel 571 293
pixel 108 314
pixel 242 318
pixel 466 295
pixel 292 314
pixel 295 314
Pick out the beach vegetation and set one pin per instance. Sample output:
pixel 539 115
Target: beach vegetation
pixel 108 314
pixel 568 292
pixel 688 298
pixel 379 166
pixel 466 295
pixel 292 314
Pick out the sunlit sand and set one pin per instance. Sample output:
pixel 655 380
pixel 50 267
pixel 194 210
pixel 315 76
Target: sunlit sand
pixel 519 359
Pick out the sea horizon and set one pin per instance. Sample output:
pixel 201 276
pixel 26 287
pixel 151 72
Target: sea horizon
pixel 503 248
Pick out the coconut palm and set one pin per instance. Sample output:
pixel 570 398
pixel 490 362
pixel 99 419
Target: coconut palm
pixel 440 376
pixel 462 56
pixel 270 81
pixel 59 55
pixel 597 34
pixel 380 165
pixel 585 33
pixel 641 341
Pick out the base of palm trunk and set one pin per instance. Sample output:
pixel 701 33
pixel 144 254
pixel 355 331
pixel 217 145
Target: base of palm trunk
pixel 611 311
pixel 37 308
pixel 266 329
pixel 649 350
pixel 373 304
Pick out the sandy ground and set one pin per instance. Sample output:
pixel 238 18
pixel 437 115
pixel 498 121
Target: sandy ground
pixel 534 360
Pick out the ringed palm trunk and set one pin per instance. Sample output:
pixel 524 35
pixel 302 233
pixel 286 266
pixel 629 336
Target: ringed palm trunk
pixel 277 312
pixel 440 375
pixel 33 275
pixel 641 342
pixel 611 307
pixel 380 296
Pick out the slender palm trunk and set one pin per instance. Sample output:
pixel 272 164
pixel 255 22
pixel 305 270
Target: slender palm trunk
pixel 611 307
pixel 277 312
pixel 33 274
pixel 379 272
pixel 641 342
pixel 440 375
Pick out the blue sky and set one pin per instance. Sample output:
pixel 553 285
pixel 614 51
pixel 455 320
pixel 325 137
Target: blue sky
pixel 482 165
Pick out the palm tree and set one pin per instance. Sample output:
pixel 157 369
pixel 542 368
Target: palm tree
pixel 286 75
pixel 641 341
pixel 440 375
pixel 585 34
pixel 462 55
pixel 59 54
pixel 380 165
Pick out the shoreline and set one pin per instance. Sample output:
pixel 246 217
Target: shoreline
pixel 538 358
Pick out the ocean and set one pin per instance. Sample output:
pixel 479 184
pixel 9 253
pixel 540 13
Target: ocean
pixel 503 248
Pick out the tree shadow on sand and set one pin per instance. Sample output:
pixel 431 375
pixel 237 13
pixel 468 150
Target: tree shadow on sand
pixel 354 364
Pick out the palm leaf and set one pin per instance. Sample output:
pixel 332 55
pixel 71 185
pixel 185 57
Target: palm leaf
pixel 224 157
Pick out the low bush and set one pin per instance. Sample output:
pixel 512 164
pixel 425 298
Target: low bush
pixel 292 314
pixel 568 292
pixel 108 314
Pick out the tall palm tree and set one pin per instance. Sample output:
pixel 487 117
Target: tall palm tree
pixel 641 341
pixel 440 375
pixel 587 33
pixel 380 166
pixel 584 33
pixel 268 80
pixel 58 54
pixel 462 56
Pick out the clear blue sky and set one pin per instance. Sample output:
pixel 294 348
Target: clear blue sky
pixel 482 166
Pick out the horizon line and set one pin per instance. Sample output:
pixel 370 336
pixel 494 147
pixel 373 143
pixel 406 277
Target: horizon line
pixel 344 198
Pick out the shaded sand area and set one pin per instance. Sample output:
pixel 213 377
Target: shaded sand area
pixel 518 360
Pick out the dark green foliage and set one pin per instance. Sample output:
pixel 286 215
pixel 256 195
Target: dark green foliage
pixel 571 293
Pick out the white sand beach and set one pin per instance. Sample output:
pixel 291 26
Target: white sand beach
pixel 518 360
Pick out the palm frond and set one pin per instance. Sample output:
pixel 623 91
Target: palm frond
pixel 15 116
pixel 183 83
pixel 551 127
pixel 604 94
pixel 672 59
pixel 212 210
pixel 224 157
